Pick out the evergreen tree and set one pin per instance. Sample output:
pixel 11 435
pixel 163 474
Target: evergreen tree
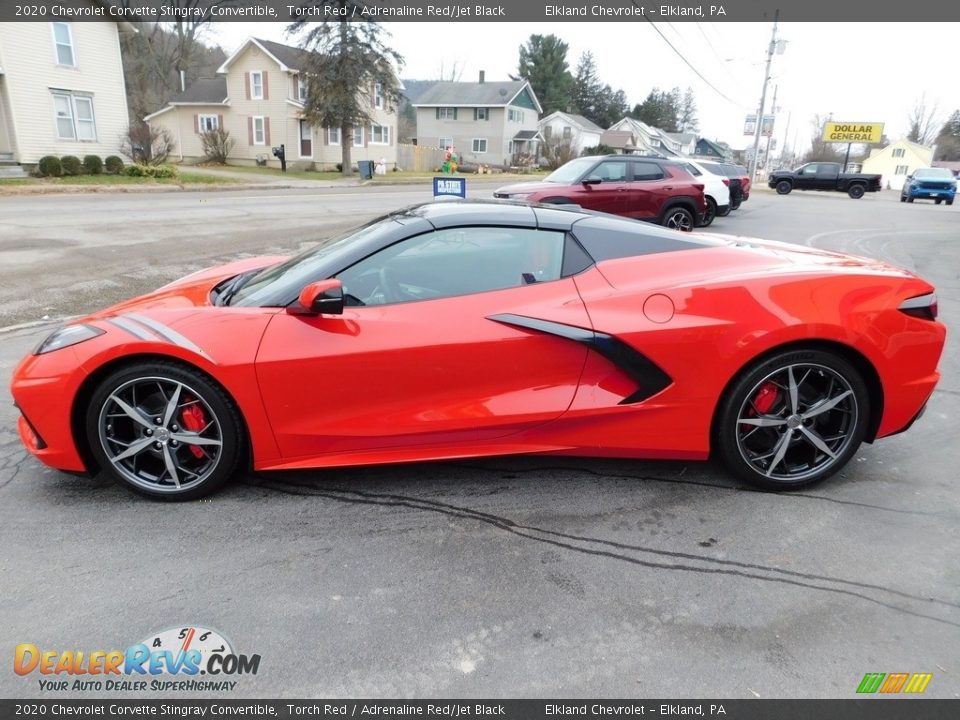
pixel 687 118
pixel 543 63
pixel 347 64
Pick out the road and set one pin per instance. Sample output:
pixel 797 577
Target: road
pixel 515 577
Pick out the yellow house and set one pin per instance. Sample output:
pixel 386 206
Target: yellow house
pixel 61 89
pixel 258 97
pixel 898 160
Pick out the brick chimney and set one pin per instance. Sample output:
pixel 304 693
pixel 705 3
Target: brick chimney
pixel 483 77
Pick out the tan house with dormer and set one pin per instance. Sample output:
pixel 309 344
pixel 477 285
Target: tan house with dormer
pixel 61 90
pixel 258 97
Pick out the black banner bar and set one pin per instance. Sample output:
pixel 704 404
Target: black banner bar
pixel 472 11
pixel 875 708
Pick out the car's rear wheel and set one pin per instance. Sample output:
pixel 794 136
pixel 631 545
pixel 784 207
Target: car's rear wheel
pixel 784 187
pixel 710 214
pixel 164 430
pixel 723 210
pixel 856 191
pixel 910 199
pixel 678 218
pixel 793 419
pixel 950 201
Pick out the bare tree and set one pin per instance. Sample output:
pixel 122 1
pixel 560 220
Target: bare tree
pixel 217 145
pixel 147 144
pixel 820 149
pixel 453 74
pixel 922 121
pixel 557 151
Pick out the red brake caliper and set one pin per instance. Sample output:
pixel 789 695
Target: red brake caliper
pixel 765 398
pixel 194 420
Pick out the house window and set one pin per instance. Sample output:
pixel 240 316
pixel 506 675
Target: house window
pixel 74 116
pixel 514 115
pixel 697 151
pixel 901 170
pixel 479 145
pixel 547 131
pixel 208 123
pixel 358 137
pixel 899 152
pixel 63 42
pixel 301 89
pixel 446 113
pixel 567 132
pixel 333 136
pixel 259 137
pixel 510 145
pixel 445 142
pixel 378 95
pixel 481 114
pixel 379 135
pixel 256 85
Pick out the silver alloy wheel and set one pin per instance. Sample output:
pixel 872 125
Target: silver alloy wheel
pixel 679 220
pixel 141 432
pixel 805 430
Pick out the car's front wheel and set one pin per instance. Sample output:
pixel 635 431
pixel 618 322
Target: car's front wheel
pixel 710 214
pixel 793 419
pixel 164 430
pixel 678 218
pixel 784 187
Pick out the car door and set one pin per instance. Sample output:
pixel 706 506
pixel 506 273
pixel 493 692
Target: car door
pixel 648 189
pixel 609 195
pixel 826 176
pixel 418 356
pixel 806 177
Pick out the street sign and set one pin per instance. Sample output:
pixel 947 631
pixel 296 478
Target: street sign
pixel 750 125
pixel 449 187
pixel 852 132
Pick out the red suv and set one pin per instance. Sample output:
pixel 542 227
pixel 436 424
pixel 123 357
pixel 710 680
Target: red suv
pixel 639 187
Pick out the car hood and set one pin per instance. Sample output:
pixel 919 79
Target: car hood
pixel 189 291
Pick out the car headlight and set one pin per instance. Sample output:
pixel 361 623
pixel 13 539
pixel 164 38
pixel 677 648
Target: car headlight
pixel 518 196
pixel 67 336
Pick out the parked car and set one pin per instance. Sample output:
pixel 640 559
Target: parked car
pixel 937 184
pixel 823 176
pixel 644 188
pixel 716 191
pixel 737 176
pixel 471 329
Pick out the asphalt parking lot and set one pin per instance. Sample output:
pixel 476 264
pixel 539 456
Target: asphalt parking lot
pixel 514 577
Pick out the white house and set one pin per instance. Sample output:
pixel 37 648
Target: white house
pixel 61 89
pixel 258 96
pixel 898 160
pixel 562 128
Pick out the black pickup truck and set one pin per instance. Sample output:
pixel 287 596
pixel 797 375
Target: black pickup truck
pixel 823 176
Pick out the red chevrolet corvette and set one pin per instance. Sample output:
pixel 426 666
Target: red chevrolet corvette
pixel 468 329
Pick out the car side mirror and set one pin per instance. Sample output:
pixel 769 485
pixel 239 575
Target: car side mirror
pixel 592 180
pixel 322 297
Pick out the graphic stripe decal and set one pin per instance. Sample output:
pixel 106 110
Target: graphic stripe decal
pixel 646 373
pixel 167 333
pixel 132 328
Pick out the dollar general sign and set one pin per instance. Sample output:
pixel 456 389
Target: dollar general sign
pixel 851 132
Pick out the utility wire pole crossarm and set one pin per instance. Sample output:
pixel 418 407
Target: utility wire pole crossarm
pixel 763 96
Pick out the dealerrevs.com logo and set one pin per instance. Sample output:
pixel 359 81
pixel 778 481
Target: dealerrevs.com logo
pixel 171 660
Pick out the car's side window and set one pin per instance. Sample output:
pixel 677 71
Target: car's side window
pixel 649 171
pixel 612 171
pixel 452 262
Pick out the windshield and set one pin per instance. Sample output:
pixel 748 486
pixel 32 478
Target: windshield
pixel 933 174
pixel 301 269
pixel 571 172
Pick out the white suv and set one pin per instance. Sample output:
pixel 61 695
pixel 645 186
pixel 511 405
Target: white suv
pixel 715 191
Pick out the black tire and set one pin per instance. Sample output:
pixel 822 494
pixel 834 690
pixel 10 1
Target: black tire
pixel 820 378
pixel 937 201
pixel 784 187
pixel 710 214
pixel 856 191
pixel 903 198
pixel 158 397
pixel 909 199
pixel 949 202
pixel 679 218
pixel 723 210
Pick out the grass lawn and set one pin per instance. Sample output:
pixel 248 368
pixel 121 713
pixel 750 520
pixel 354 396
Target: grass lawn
pixel 186 178
pixel 398 177
pixel 277 172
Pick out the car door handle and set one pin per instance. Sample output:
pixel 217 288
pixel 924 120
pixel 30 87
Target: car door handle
pixel 669 187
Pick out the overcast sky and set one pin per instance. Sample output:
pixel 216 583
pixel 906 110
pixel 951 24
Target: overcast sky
pixel 857 71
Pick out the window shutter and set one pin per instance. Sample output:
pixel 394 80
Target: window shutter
pixel 266 87
pixel 454 113
pixel 196 124
pixel 326 136
pixel 266 129
pixel 249 129
pixel 389 135
pixel 220 122
pixel 295 91
pixel 438 112
pixel 246 84
pixel 366 136
pixel 475 113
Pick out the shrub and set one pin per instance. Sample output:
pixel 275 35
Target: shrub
pixel 49 166
pixel 92 165
pixel 113 164
pixel 340 167
pixel 71 165
pixel 217 145
pixel 151 171
pixel 147 144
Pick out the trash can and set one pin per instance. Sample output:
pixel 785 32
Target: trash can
pixel 366 169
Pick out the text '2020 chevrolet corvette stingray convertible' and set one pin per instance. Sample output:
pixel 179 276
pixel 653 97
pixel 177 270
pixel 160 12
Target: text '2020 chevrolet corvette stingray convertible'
pixel 469 329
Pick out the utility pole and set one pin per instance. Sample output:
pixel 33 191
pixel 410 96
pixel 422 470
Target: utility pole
pixel 773 111
pixel 763 95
